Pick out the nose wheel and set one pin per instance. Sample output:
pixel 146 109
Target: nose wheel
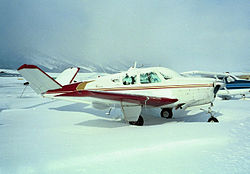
pixel 213 119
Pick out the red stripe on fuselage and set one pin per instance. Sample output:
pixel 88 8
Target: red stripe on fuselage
pixel 72 87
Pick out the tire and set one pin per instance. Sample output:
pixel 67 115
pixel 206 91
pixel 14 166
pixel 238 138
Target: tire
pixel 213 119
pixel 166 113
pixel 139 122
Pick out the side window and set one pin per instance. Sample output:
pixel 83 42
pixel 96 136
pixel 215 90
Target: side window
pixel 154 78
pixel 129 80
pixel 144 78
pixel 149 78
pixel 115 80
pixel 165 76
pixel 230 79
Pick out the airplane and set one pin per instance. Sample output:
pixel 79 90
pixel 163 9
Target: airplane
pixel 130 90
pixel 234 86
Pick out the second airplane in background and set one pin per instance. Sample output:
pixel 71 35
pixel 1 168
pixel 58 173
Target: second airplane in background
pixel 233 85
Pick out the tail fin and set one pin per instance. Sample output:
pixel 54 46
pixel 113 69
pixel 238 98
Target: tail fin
pixel 39 81
pixel 67 76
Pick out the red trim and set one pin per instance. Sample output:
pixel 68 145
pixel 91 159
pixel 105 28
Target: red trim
pixel 72 87
pixel 65 88
pixel 25 66
pixel 139 99
pixel 75 74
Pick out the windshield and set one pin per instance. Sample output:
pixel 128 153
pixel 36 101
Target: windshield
pixel 230 79
pixel 150 77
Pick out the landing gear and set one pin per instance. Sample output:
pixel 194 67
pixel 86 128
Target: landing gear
pixel 213 119
pixel 166 113
pixel 139 122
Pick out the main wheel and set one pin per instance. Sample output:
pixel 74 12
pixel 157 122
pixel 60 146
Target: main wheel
pixel 139 122
pixel 166 113
pixel 213 119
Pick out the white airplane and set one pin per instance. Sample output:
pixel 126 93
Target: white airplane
pixel 130 90
pixel 233 85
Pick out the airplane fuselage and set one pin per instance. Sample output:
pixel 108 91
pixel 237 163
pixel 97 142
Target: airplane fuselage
pixel 163 83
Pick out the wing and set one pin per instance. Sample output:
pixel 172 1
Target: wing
pixel 129 98
pixel 229 93
pixel 204 74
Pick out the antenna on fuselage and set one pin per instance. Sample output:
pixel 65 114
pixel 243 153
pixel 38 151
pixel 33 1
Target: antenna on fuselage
pixel 134 65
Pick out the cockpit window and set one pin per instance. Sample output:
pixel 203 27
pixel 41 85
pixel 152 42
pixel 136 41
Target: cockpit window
pixel 129 80
pixel 230 79
pixel 149 78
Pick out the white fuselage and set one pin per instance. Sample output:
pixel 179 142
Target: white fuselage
pixel 191 91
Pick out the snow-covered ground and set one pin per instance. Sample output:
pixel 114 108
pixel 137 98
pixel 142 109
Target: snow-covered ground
pixel 39 135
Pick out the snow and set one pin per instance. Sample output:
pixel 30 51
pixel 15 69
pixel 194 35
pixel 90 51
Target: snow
pixel 8 71
pixel 40 135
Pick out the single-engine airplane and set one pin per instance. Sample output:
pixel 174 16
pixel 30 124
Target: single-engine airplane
pixel 130 90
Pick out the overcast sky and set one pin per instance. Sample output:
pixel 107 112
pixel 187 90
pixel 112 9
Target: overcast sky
pixel 180 34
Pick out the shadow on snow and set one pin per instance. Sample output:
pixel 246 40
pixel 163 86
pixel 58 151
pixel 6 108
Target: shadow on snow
pixel 151 116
